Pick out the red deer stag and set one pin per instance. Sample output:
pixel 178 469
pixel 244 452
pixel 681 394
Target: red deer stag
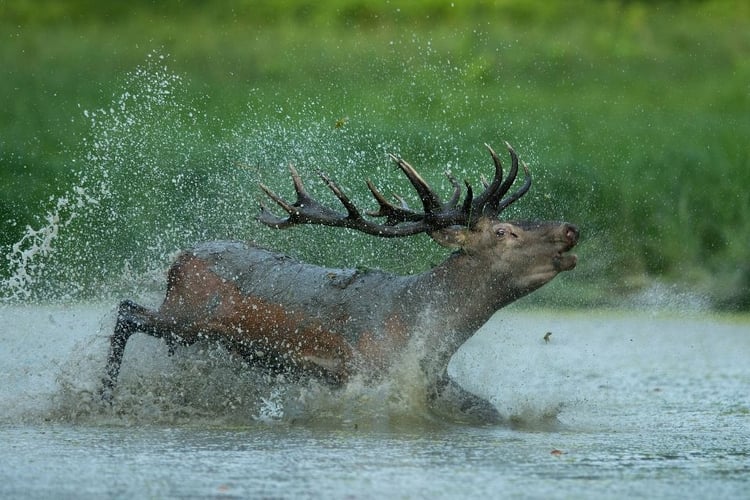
pixel 297 318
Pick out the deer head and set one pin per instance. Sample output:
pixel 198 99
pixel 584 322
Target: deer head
pixel 523 255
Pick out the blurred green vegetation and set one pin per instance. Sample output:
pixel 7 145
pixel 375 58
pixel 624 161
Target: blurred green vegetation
pixel 634 116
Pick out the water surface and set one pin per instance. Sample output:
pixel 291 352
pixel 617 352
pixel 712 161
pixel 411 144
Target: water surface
pixel 616 404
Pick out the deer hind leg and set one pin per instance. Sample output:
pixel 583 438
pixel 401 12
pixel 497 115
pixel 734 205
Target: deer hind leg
pixel 132 318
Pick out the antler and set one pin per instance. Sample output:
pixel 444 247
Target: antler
pixel 400 220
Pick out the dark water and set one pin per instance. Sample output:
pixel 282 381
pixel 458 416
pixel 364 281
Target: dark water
pixel 617 404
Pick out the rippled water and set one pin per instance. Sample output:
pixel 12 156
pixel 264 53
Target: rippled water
pixel 617 404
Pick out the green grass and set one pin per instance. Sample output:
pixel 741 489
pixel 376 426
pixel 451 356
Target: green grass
pixel 634 118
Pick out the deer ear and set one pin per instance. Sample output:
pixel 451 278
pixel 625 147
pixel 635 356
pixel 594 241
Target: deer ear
pixel 451 237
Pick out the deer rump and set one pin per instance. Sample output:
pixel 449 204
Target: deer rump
pixel 301 319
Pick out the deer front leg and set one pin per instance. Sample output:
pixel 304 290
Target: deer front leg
pixel 446 394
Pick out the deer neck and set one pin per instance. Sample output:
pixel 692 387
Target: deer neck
pixel 461 295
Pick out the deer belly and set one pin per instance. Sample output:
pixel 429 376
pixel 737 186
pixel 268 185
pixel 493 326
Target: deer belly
pixel 292 337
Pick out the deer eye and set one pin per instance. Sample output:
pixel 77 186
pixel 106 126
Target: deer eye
pixel 500 232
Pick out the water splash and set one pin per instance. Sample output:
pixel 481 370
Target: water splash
pixel 206 385
pixel 660 296
pixel 34 245
pixel 96 230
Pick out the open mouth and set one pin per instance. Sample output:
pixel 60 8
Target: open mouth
pixel 564 261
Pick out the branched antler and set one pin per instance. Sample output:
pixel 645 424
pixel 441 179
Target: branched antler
pixel 401 220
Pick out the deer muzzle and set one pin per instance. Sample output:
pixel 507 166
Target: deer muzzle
pixel 562 260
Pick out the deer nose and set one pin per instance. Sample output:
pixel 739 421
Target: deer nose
pixel 571 233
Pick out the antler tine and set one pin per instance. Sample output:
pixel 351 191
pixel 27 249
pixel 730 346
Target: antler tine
pixel 392 213
pixel 269 218
pixel 305 210
pixel 350 208
pixel 299 188
pixel 456 196
pixel 486 197
pixel 467 205
pixel 430 200
pixel 521 191
pixel 279 201
pixel 494 196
